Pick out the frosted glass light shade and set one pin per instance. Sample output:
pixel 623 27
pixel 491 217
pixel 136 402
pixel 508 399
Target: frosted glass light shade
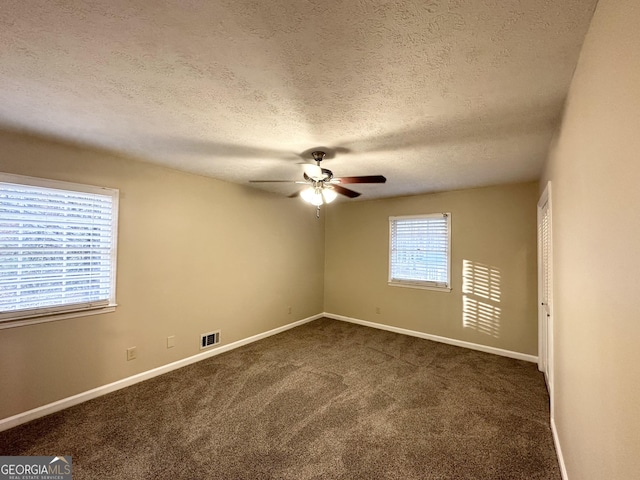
pixel 307 194
pixel 312 195
pixel 329 195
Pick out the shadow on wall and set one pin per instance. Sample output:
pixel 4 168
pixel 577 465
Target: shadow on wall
pixel 481 293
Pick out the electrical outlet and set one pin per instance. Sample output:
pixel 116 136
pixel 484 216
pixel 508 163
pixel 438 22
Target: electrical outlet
pixel 377 310
pixel 132 353
pixel 171 341
pixel 289 309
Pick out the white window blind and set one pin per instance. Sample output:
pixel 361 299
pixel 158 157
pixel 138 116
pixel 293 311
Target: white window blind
pixel 420 250
pixel 57 247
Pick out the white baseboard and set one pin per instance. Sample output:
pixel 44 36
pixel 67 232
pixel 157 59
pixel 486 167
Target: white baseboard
pixel 436 338
pixel 20 418
pixel 50 408
pixel 556 441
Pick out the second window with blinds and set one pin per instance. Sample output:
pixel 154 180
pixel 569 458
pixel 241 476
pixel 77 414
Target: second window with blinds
pixel 420 251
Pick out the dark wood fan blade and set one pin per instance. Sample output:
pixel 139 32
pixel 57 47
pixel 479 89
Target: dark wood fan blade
pixel 272 181
pixel 362 179
pixel 345 191
pixel 294 195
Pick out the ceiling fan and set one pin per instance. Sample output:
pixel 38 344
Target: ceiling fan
pixel 323 187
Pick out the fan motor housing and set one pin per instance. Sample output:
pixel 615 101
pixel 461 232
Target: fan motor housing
pixel 328 175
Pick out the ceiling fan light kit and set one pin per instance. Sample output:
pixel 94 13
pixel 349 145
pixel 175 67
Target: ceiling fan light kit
pixel 323 187
pixel 318 195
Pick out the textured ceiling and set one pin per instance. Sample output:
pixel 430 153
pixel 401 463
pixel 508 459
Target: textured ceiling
pixel 435 95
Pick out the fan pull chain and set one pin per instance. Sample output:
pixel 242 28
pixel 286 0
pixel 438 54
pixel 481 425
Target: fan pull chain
pixel 318 211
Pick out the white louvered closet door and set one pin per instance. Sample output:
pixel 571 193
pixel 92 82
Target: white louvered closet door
pixel 545 312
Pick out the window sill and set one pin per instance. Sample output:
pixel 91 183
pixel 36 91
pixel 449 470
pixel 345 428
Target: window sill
pixel 23 322
pixel 419 287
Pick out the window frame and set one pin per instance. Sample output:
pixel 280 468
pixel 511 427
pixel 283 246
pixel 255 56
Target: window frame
pixel 416 283
pixel 60 312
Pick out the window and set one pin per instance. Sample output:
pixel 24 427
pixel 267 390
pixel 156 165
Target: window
pixel 420 251
pixel 57 247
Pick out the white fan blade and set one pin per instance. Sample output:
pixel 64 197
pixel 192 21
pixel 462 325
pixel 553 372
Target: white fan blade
pixel 313 171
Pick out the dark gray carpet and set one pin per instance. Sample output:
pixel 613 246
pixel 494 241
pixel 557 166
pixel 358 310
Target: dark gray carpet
pixel 324 400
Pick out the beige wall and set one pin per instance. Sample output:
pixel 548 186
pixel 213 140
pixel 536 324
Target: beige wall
pixel 492 227
pixel 195 254
pixel 595 173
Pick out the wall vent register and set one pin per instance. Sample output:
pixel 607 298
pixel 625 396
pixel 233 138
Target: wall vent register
pixel 209 339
